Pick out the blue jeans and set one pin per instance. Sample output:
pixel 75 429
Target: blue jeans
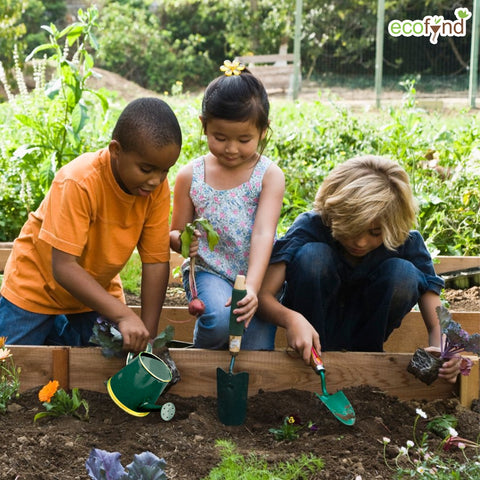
pixel 22 327
pixel 211 328
pixel 352 308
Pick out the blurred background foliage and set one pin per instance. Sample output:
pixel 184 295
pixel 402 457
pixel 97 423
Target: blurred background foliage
pixel 158 43
pixel 58 116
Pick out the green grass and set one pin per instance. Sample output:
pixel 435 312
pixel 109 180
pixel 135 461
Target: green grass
pixel 131 274
pixel 234 466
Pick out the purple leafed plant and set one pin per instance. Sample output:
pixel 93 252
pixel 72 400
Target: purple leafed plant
pixel 456 340
pixel 103 465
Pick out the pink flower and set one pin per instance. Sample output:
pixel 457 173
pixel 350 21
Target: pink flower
pixel 465 366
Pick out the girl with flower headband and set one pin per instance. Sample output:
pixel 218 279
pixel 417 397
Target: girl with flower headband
pixel 240 192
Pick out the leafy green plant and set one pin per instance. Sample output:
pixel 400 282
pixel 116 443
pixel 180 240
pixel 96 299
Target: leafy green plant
pixel 234 466
pixel 58 135
pixel 58 402
pixel 196 306
pixel 441 425
pixel 417 460
pixel 43 128
pixel 9 376
pixel 289 430
pixel 103 465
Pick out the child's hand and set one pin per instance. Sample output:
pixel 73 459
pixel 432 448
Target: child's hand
pixel 194 244
pixel 245 308
pixel 135 334
pixel 450 369
pixel 301 335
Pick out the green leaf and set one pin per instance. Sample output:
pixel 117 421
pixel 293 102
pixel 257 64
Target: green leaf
pixel 40 48
pixel 163 338
pixel 187 235
pixel 26 120
pixel 40 415
pixel 440 425
pixel 212 235
pixel 186 239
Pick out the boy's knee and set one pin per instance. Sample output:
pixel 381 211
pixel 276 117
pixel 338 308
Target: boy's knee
pixel 314 259
pixel 404 278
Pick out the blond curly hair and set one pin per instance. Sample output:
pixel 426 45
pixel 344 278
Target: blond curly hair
pixel 363 191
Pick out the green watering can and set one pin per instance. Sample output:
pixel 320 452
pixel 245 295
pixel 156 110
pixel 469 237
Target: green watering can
pixel 137 386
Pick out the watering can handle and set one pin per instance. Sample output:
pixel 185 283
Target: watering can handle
pixel 316 361
pixel 131 355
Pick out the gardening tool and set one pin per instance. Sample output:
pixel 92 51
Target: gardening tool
pixel 137 386
pixel 337 403
pixel 232 389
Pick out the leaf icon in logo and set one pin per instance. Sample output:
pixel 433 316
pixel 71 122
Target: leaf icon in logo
pixel 437 19
pixel 464 14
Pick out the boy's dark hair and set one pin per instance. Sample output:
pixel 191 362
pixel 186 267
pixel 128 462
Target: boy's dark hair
pixel 238 98
pixel 149 120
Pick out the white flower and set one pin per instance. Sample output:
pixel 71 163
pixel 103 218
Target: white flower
pixel 421 469
pixel 461 445
pixel 386 440
pixel 452 432
pixel 4 353
pixel 420 412
pixel 403 451
pixel 410 444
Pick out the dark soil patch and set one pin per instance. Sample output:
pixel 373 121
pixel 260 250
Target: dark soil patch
pixel 57 448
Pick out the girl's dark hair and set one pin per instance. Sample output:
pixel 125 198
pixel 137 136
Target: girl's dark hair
pixel 238 98
pixel 147 120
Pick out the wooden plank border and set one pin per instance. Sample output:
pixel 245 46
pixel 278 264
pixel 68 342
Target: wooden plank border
pixel 268 371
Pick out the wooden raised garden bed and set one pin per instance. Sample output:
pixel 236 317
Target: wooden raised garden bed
pixel 281 369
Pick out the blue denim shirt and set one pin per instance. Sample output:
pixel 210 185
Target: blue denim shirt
pixel 308 227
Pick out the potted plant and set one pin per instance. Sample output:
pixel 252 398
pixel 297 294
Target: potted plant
pixel 425 366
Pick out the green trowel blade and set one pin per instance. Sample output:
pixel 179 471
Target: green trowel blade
pixel 232 393
pixel 340 406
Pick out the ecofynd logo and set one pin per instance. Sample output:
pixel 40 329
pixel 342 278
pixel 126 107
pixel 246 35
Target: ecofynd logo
pixel 431 26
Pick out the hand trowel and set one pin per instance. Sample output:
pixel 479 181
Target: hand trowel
pixel 337 403
pixel 232 389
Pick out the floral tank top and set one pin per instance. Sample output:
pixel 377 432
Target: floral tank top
pixel 232 214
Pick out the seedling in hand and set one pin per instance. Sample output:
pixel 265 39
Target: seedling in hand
pixel 196 306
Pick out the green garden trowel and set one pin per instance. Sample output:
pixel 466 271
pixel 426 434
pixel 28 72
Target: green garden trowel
pixel 232 389
pixel 337 403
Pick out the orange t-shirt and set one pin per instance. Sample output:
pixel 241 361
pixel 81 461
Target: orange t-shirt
pixel 86 214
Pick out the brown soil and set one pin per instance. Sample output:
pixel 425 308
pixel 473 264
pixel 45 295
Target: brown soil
pixel 57 448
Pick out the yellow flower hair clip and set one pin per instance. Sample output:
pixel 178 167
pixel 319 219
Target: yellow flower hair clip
pixel 232 68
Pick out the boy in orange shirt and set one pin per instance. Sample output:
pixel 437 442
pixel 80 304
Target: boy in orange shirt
pixel 63 271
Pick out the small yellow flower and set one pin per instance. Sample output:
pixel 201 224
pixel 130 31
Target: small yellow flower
pixel 48 391
pixel 2 341
pixel 4 353
pixel 291 420
pixel 232 68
